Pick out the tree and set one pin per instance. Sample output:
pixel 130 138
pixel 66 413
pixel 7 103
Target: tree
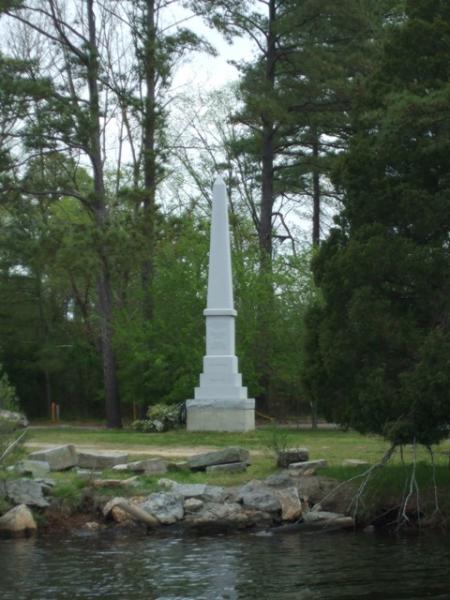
pixel 378 343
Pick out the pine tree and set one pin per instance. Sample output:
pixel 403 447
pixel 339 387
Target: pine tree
pixel 379 346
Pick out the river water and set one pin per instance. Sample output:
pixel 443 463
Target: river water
pixel 246 567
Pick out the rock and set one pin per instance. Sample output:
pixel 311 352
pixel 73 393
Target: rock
pixel 236 467
pixel 114 512
pixel 323 490
pixel 35 468
pixel 88 473
pixel 92 526
pixel 282 479
pixel 166 483
pixel 122 467
pixel 301 468
pixel 150 466
pixel 292 455
pixel 328 519
pixel 101 483
pixel 18 521
pixel 202 491
pixel 166 507
pixel 101 460
pixel 227 515
pixel 192 505
pixel 124 510
pixel 320 515
pixel 26 491
pixel 59 459
pixel 219 457
pixel 354 462
pixel 291 506
pixel 181 465
pixel 15 418
pixel 257 496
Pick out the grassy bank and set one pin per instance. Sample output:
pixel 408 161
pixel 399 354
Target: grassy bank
pixel 386 488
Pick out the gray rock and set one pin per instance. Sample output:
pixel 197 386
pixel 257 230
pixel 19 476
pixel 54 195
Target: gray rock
pixel 219 457
pixel 17 521
pixel 259 497
pixel 59 459
pixel 15 418
pixel 35 468
pixel 292 455
pixel 150 466
pixel 87 473
pixel 328 519
pixel 206 493
pixel 193 505
pixel 282 479
pixel 166 507
pixel 26 491
pixel 101 460
pixel 308 466
pixel 219 516
pixel 237 467
pixel 320 515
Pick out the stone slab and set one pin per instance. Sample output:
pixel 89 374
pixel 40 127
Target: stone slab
pixel 235 467
pixel 218 457
pixel 150 466
pixel 35 468
pixel 288 456
pixel 59 458
pixel 309 465
pixel 101 460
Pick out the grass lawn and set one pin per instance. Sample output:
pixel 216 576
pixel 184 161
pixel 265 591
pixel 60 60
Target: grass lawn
pixel 333 445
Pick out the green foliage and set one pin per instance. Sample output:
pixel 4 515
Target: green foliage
pixel 378 349
pixel 160 417
pixel 8 398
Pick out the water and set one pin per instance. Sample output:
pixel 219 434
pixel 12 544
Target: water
pixel 245 567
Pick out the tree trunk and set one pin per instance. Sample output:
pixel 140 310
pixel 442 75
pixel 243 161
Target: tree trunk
pixel 315 230
pixel 266 304
pixel 149 129
pixel 316 190
pixel 105 305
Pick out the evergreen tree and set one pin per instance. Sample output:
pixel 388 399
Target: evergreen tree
pixel 379 343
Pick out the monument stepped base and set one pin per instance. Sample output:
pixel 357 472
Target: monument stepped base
pixel 213 417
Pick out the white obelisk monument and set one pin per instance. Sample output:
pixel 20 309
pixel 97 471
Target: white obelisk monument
pixel 220 402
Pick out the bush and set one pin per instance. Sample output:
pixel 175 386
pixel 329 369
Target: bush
pixel 160 417
pixel 8 398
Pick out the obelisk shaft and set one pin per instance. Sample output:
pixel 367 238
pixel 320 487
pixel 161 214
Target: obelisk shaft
pixel 220 282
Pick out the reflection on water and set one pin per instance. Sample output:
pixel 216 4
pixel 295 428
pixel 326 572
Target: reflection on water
pixel 247 567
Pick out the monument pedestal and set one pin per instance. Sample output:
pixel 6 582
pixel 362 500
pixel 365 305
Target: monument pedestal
pixel 220 416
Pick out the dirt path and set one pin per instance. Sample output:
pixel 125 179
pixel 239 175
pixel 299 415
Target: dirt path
pixel 138 449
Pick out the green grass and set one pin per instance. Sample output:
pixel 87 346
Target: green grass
pixel 333 445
